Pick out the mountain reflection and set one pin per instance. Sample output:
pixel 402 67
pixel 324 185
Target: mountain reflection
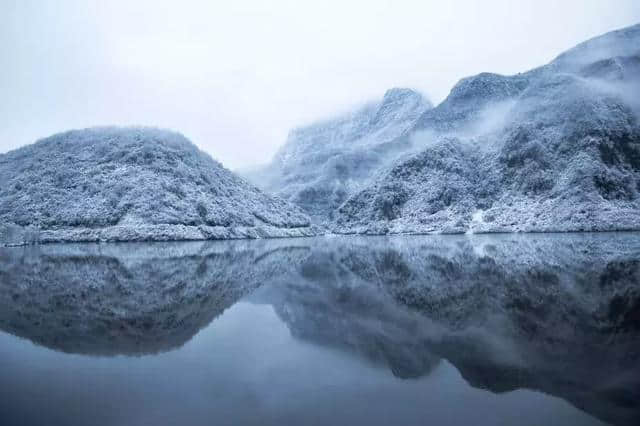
pixel 554 313
pixel 132 299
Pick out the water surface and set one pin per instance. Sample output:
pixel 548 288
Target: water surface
pixel 483 330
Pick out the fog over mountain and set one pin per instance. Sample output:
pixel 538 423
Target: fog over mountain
pixel 556 148
pixel 234 77
pixel 321 164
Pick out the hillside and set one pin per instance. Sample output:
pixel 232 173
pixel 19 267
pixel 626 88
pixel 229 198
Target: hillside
pixel 123 184
pixel 320 165
pixel 553 149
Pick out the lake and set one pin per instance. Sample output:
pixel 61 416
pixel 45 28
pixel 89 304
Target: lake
pixel 407 330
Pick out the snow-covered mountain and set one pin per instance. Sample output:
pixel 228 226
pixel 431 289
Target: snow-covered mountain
pixel 131 184
pixel 556 148
pixel 322 164
pixel 553 149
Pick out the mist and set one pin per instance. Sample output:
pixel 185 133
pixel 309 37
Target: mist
pixel 236 77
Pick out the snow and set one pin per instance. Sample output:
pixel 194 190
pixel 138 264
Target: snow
pixel 322 164
pixel 555 149
pixel 131 184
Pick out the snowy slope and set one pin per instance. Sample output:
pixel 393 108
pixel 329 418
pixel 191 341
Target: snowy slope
pixel 553 149
pixel 131 184
pixel 321 164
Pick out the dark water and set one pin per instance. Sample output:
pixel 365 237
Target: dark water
pixel 467 330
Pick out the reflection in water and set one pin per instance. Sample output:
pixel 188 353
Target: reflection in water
pixel 559 314
pixel 129 298
pixel 554 313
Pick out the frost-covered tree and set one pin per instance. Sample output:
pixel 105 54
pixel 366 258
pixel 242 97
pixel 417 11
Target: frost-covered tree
pixel 553 149
pixel 114 183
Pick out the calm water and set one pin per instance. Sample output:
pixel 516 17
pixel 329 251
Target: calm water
pixel 455 330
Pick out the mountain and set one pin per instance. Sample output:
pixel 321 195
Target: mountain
pixel 123 184
pixel 553 149
pixel 322 164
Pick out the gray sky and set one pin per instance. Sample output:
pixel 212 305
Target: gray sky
pixel 235 76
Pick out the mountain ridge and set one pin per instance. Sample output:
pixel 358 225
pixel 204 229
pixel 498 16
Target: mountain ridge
pixel 553 149
pixel 541 129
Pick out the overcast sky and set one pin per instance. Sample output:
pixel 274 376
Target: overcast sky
pixel 235 76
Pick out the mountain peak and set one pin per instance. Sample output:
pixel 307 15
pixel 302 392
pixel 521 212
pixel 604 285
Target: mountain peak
pixel 400 104
pixel 396 94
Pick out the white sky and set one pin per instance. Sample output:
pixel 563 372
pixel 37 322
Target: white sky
pixel 235 76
